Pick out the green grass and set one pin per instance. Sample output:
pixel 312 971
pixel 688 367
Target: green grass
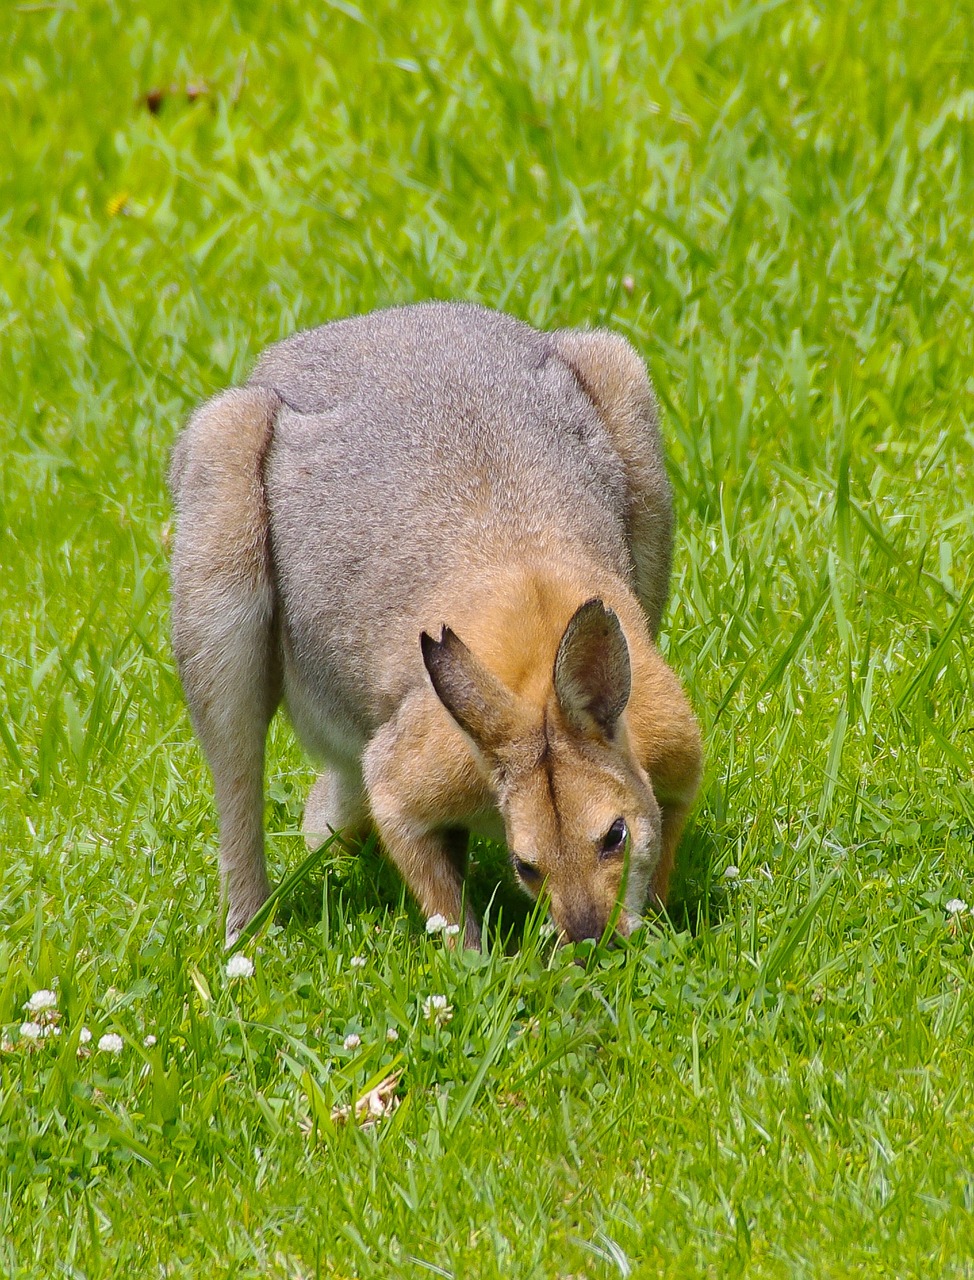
pixel 773 201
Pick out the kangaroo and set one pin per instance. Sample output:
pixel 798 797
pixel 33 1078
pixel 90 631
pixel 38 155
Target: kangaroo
pixel 443 539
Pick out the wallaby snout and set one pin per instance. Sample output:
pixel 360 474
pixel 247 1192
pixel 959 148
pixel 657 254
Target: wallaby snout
pixel 442 472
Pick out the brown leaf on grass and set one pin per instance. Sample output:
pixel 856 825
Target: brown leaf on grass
pixel 154 99
pixel 373 1106
pixel 515 1100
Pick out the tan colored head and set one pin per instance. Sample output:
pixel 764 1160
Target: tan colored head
pixel 581 820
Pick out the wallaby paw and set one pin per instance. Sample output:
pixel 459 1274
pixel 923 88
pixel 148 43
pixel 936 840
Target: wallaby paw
pixel 472 937
pixel 240 913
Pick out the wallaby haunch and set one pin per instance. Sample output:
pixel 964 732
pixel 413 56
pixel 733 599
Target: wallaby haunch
pixel 443 538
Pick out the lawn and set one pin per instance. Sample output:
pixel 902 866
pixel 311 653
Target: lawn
pixel 773 201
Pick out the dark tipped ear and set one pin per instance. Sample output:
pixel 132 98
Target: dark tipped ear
pixel 482 706
pixel 593 678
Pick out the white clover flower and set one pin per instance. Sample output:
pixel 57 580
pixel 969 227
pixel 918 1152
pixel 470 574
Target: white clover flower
pixel 732 873
pixel 352 1041
pixel 437 1010
pixel 42 999
pixel 436 924
pixel 84 1036
pixel 357 962
pixel 451 930
pixel 240 966
pixel 392 1035
pixel 31 1030
pixel 149 1041
pixel 111 1043
pixel 955 907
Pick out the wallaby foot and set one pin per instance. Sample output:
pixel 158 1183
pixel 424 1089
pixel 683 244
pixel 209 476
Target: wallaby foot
pixel 243 900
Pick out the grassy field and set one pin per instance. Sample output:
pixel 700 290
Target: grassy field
pixel 774 202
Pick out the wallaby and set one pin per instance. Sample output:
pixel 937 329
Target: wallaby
pixel 443 538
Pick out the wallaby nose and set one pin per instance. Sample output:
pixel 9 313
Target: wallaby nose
pixel 581 922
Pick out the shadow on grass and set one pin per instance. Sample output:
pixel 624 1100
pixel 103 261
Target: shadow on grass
pixel 359 880
pixel 351 881
pixel 695 898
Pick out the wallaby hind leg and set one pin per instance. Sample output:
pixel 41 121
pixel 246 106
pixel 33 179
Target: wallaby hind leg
pixel 336 802
pixel 223 623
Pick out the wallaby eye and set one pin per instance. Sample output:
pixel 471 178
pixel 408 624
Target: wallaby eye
pixel 528 873
pixel 614 840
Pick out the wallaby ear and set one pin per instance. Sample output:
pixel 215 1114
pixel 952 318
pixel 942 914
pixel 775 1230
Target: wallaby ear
pixel 593 678
pixel 485 709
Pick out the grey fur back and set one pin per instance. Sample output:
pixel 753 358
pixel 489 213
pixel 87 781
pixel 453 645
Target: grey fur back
pixel 416 447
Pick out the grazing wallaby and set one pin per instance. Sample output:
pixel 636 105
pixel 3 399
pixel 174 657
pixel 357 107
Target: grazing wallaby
pixel 444 539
